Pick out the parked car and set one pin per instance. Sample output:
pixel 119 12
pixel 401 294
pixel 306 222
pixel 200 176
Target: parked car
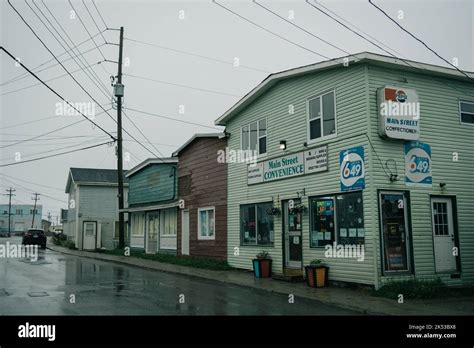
pixel 35 236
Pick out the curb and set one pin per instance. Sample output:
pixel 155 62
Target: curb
pixel 77 253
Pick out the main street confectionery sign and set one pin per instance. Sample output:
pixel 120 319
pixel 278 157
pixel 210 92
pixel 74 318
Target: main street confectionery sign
pixel 399 113
pixel 296 164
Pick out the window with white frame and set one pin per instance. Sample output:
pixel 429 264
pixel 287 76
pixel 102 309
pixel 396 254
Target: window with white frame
pixel 138 224
pixel 322 116
pixel 466 109
pixel 206 223
pixel 254 136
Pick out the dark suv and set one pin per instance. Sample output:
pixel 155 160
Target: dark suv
pixel 34 236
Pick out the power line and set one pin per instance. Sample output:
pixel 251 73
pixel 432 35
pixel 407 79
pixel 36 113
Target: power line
pixel 48 151
pixel 52 79
pixel 55 155
pixel 183 86
pixel 56 93
pixel 77 82
pixel 92 17
pixel 420 41
pixel 85 27
pixel 418 68
pixel 100 15
pixel 107 93
pixel 196 55
pixel 29 190
pixel 33 183
pixel 301 28
pixel 23 75
pixel 53 131
pixel 87 72
pixel 170 118
pixel 269 31
pixel 28 123
pixel 144 136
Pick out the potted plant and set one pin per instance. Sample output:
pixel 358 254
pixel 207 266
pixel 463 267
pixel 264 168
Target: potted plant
pixel 317 274
pixel 274 211
pixel 298 208
pixel 262 265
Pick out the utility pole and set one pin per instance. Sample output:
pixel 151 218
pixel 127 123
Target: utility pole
pixel 10 194
pixel 36 199
pixel 118 91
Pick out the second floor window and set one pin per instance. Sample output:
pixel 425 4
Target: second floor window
pixel 467 111
pixel 33 211
pixel 322 116
pixel 19 212
pixel 254 137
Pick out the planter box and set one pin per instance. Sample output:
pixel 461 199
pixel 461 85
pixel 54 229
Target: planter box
pixel 317 276
pixel 262 268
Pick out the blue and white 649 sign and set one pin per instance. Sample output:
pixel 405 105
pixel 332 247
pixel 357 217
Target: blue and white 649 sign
pixel 351 162
pixel 418 164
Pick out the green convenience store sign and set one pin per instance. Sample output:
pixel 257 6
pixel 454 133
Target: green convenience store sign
pixel 288 166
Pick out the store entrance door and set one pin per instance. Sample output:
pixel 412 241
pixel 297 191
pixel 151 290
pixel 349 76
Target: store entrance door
pixel 443 234
pixel 292 234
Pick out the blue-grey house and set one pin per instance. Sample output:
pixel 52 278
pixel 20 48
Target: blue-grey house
pixel 153 205
pixel 92 214
pixel 21 217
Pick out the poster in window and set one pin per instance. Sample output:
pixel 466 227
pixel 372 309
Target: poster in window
pixel 352 232
pixel 360 232
pixel 327 235
pixel 321 235
pixel 343 232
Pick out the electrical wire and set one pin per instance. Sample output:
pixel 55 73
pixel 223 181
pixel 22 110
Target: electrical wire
pixel 420 41
pixel 57 154
pixel 182 86
pixel 56 93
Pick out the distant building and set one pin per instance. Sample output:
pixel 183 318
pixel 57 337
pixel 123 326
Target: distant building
pixel 21 217
pixel 45 225
pixel 91 220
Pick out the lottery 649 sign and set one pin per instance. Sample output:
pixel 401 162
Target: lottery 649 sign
pixel 351 162
pixel 418 164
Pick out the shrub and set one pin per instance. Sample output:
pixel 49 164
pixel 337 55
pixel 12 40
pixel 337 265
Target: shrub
pixel 412 289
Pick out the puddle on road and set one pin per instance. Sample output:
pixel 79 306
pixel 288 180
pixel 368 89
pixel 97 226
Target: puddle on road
pixel 38 294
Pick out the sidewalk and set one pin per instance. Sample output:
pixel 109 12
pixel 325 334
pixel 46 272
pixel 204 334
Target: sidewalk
pixel 357 300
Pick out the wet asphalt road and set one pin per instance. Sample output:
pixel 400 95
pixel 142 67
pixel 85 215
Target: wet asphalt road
pixel 44 287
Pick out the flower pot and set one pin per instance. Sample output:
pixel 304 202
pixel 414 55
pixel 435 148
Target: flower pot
pixel 317 276
pixel 262 268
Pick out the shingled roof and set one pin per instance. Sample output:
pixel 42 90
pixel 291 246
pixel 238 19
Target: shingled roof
pixel 93 176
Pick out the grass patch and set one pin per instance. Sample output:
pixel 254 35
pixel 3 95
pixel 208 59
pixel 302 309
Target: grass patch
pixel 420 290
pixel 190 261
pixel 61 240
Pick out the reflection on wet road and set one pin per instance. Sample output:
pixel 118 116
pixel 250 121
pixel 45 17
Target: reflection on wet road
pixel 49 285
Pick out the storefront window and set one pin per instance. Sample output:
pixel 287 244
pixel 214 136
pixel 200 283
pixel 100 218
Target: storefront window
pixel 350 218
pixel 256 225
pixel 322 221
pixel 138 224
pixel 394 231
pixel 337 218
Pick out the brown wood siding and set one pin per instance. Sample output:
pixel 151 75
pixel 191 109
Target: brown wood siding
pixel 204 185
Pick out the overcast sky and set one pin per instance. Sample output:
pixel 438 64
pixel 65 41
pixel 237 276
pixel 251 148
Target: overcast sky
pixel 198 44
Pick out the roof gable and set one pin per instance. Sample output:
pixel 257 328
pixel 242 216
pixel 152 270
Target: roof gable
pixel 358 58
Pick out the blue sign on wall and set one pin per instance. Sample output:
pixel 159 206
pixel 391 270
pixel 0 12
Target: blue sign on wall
pixel 418 164
pixel 352 172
